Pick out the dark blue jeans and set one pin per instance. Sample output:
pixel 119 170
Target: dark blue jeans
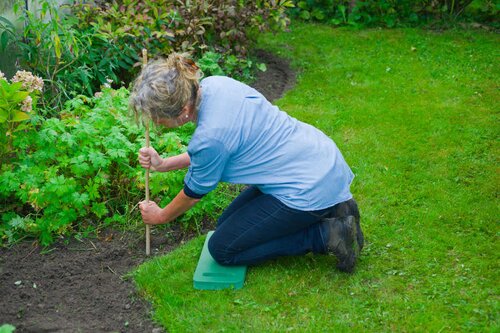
pixel 257 227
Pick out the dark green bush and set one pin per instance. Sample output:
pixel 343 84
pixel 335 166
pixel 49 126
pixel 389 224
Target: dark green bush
pixel 226 27
pixel 390 13
pixel 79 171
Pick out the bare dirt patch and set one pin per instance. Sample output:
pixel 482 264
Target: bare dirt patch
pixel 82 285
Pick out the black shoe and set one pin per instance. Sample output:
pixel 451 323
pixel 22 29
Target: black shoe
pixel 345 242
pixel 359 235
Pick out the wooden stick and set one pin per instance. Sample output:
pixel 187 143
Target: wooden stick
pixel 148 227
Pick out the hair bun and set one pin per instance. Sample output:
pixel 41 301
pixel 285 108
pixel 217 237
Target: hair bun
pixel 165 86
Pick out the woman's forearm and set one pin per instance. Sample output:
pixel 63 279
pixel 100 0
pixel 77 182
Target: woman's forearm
pixel 174 163
pixel 178 206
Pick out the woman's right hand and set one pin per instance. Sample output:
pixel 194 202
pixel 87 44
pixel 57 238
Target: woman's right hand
pixel 149 158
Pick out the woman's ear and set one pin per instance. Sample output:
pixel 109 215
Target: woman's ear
pixel 185 112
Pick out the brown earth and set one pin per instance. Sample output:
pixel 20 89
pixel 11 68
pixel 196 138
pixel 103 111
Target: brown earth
pixel 82 285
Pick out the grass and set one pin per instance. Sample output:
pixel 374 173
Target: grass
pixel 415 114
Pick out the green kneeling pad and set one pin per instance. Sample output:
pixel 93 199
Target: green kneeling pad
pixel 209 275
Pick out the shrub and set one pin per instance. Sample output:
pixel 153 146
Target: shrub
pixel 76 172
pixel 212 63
pixel 68 58
pixel 341 12
pixel 78 53
pixel 390 13
pixel 225 27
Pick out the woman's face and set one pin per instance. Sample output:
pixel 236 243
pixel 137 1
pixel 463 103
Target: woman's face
pixel 167 122
pixel 186 115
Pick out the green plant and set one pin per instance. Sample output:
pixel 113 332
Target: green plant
pixel 80 172
pixel 50 48
pixel 16 105
pixel 359 12
pixel 123 29
pixel 388 13
pixel 212 63
pixel 93 45
pixel 7 328
pixel 486 11
pixel 72 59
pixel 450 7
pixel 225 27
pixel 209 63
pixel 8 33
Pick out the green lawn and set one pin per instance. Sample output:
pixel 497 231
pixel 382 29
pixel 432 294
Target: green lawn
pixel 415 114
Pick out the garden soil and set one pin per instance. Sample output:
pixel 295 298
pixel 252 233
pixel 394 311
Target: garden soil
pixel 82 285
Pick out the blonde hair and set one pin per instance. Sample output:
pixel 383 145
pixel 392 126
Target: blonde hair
pixel 164 87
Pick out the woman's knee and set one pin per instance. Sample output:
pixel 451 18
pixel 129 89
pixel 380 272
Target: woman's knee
pixel 220 251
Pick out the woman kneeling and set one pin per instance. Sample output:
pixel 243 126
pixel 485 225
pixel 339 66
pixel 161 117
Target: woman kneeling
pixel 298 198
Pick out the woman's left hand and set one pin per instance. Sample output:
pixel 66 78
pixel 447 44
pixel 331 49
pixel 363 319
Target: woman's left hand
pixel 151 212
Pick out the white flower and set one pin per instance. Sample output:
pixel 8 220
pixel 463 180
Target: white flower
pixel 2 76
pixel 30 82
pixel 108 83
pixel 27 104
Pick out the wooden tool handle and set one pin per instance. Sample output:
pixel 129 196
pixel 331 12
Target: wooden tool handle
pixel 148 227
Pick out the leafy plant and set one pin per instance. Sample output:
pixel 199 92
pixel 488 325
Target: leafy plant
pixel 79 52
pixel 80 172
pixel 73 60
pixel 388 13
pixel 7 328
pixel 8 33
pixel 486 11
pixel 209 63
pixel 212 63
pixel 16 105
pixel 50 48
pixel 122 30
pixel 225 27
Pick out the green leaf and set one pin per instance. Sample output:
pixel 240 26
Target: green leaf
pixel 57 46
pixel 20 116
pixel 17 222
pixel 18 97
pixel 7 328
pixel 99 209
pixel 4 115
pixel 92 190
pixel 4 39
pixel 305 15
pixel 98 159
pixel 80 200
pixel 7 23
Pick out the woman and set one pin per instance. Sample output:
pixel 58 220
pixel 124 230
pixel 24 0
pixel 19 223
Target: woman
pixel 298 199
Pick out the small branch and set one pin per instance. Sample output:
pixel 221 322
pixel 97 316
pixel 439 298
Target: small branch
pixel 112 271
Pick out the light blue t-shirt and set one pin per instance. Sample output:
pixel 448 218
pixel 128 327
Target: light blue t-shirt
pixel 242 138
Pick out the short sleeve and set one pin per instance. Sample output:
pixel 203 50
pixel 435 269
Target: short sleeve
pixel 208 159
